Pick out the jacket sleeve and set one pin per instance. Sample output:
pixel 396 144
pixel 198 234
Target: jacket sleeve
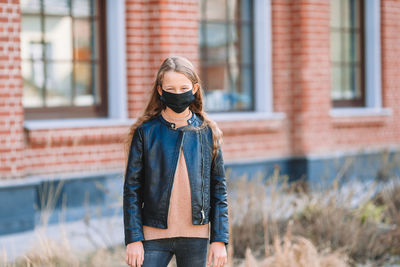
pixel 219 231
pixel 132 196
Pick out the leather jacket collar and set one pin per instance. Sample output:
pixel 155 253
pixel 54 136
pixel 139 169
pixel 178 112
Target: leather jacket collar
pixel 193 121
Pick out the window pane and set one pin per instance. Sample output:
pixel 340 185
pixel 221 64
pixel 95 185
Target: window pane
pixel 234 44
pixel 355 42
pixel 216 97
pixel 336 43
pixel 83 8
pixel 345 13
pixel 346 46
pixel 31 37
pixel 335 10
pixel 215 76
pixel 214 9
pixel 202 41
pixel 242 51
pixel 58 36
pixel 357 81
pixel 354 13
pixel 33 79
pixel 351 47
pixel 31 6
pixel 246 87
pixel 86 86
pixel 336 92
pixel 239 10
pixel 58 83
pixel 216 42
pixel 233 10
pixel 228 88
pixel 56 7
pixel 85 39
pixel 346 85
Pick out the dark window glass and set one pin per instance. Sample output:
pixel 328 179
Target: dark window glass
pixel 63 59
pixel 226 51
pixel 347 53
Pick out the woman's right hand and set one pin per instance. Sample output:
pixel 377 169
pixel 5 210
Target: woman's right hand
pixel 135 254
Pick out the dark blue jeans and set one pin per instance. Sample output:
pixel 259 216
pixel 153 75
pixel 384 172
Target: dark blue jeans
pixel 189 251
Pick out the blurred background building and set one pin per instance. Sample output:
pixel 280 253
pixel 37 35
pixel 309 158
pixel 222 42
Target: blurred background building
pixel 308 87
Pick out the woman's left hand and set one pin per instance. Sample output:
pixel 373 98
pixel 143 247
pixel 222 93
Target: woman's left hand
pixel 218 250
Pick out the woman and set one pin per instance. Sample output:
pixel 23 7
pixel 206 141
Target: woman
pixel 175 194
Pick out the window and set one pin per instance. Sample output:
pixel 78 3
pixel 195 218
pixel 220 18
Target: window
pixel 226 54
pixel 63 58
pixel 347 53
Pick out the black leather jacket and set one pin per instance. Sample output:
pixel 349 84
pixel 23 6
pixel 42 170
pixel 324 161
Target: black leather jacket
pixel 149 174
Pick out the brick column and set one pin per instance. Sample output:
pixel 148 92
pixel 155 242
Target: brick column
pixel 156 29
pixel 310 76
pixel 11 109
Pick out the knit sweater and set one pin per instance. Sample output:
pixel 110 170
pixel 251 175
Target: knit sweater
pixel 180 207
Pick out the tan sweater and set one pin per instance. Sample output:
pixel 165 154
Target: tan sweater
pixel 180 209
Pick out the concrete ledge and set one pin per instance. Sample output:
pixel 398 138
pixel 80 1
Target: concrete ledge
pixel 75 123
pixel 360 111
pixel 246 116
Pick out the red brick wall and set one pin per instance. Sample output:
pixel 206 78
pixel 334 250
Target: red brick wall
pixel 301 73
pixel 156 29
pixel 74 150
pixel 390 28
pixel 11 111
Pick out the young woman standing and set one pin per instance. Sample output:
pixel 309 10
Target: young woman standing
pixel 175 193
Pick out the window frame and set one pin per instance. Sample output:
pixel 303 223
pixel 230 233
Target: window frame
pixel 373 83
pixel 360 102
pixel 116 79
pixel 63 112
pixel 227 22
pixel 263 85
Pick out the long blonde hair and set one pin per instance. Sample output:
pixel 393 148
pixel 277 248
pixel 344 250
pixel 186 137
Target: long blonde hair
pixel 155 105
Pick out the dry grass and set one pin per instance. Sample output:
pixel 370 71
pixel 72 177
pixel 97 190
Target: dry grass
pixel 322 221
pixel 389 198
pixel 296 251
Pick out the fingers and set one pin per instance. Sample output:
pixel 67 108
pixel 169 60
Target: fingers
pixel 209 258
pixel 138 261
pixel 134 259
pixel 219 260
pixel 141 258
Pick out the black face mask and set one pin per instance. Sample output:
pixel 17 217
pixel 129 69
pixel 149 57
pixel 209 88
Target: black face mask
pixel 177 102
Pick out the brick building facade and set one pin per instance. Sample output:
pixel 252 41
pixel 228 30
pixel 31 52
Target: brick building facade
pixel 288 113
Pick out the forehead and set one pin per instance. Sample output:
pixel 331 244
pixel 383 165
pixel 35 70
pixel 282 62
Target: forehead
pixel 172 78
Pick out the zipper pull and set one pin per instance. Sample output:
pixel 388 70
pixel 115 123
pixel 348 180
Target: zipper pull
pixel 202 216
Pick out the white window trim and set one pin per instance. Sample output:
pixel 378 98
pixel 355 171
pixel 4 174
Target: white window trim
pixel 263 69
pixel 373 82
pixel 116 71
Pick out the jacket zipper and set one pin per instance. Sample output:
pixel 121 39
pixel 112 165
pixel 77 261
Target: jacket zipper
pixel 179 154
pixel 202 181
